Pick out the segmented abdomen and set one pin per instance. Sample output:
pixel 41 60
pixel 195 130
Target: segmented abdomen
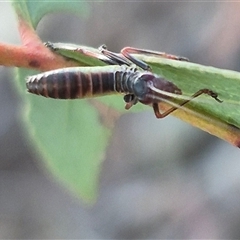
pixel 76 82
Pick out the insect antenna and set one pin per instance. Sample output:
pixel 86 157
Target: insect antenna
pixel 187 99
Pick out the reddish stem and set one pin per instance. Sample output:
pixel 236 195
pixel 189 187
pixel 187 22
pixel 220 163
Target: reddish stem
pixel 32 54
pixel 31 57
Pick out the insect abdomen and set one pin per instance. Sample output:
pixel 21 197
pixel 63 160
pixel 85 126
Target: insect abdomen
pixel 71 83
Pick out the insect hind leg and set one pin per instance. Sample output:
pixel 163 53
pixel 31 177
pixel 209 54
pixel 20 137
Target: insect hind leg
pixel 127 51
pixel 131 50
pixel 82 50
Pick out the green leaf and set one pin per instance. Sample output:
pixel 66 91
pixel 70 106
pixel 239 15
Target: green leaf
pixel 73 51
pixel 69 136
pixel 191 77
pixel 33 11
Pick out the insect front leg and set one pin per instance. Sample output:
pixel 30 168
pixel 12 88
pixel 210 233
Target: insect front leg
pixel 130 100
pixel 115 57
pixel 172 109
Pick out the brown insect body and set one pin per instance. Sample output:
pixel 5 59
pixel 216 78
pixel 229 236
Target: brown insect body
pixel 138 84
pixel 83 82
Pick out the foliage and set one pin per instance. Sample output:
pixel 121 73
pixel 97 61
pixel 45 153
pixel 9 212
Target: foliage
pixel 69 134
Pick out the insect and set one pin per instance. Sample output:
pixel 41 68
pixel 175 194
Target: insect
pixel 127 75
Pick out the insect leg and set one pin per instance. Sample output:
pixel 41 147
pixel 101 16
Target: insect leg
pixel 95 55
pixel 116 58
pixel 127 51
pixel 82 50
pixel 131 50
pixel 172 109
pixel 130 100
